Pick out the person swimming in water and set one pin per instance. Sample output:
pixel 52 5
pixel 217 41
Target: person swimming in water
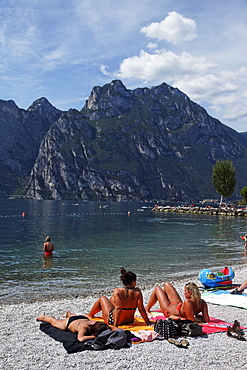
pixel 120 308
pixel 172 305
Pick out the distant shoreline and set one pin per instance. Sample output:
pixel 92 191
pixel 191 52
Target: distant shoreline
pixel 225 211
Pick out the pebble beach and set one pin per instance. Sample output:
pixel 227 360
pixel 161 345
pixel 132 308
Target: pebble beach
pixel 24 346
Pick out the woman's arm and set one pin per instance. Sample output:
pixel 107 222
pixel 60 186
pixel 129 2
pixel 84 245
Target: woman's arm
pixel 83 338
pixel 142 309
pixel 188 310
pixel 118 307
pixel 205 315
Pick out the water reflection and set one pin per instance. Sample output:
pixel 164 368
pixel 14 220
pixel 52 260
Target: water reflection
pixel 47 262
pixel 244 257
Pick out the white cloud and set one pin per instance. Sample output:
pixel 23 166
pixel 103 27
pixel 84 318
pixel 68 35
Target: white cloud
pixel 174 28
pixel 105 70
pixel 162 64
pixel 202 88
pixel 235 112
pixel 152 45
pixel 222 94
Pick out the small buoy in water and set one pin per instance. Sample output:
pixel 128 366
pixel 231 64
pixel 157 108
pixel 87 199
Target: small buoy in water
pixel 23 214
pixel 128 213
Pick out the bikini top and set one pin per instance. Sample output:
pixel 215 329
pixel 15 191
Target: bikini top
pixel 129 309
pixel 127 296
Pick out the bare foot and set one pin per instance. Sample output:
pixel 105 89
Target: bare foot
pixel 41 317
pixel 67 314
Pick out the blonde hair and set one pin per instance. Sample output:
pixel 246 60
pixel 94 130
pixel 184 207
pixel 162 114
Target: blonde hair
pixel 195 293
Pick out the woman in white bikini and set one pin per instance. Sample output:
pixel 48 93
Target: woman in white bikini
pixel 120 308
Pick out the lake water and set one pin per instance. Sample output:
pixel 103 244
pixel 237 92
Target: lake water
pixel 94 240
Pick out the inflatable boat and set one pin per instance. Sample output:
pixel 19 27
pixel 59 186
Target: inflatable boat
pixel 211 280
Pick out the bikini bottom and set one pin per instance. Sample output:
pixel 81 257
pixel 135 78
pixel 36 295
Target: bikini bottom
pixel 73 318
pixel 110 317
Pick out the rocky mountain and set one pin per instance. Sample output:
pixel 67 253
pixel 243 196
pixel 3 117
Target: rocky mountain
pixel 147 143
pixel 21 134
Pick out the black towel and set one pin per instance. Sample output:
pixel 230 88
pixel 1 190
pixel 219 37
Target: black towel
pixel 67 338
pixel 106 339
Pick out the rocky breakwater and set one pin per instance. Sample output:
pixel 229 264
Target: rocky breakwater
pixel 227 211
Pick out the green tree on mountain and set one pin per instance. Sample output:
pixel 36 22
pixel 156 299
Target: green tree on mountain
pixel 243 193
pixel 224 178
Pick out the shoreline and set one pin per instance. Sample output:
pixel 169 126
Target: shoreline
pixel 216 211
pixel 97 293
pixel 24 346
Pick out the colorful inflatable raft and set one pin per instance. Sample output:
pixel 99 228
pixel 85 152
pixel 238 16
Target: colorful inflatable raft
pixel 211 280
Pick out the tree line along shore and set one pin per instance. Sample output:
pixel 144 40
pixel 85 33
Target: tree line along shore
pixel 208 210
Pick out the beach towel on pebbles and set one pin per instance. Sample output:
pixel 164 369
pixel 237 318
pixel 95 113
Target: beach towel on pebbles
pixel 225 298
pixel 213 326
pixel 106 339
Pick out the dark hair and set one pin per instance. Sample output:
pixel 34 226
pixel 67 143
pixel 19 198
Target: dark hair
pixel 127 277
pixel 97 328
pixel 48 239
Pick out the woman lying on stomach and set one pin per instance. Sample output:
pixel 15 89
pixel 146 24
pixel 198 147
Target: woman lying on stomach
pixel 172 305
pixel 120 308
pixel 86 329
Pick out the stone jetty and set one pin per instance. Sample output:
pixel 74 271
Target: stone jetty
pixel 208 210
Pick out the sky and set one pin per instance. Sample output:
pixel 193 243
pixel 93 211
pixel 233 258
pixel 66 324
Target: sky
pixel 61 49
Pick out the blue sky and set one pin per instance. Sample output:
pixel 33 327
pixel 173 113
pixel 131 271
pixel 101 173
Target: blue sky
pixel 61 49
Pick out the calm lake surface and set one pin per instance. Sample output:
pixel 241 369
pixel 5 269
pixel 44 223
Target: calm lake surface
pixel 93 240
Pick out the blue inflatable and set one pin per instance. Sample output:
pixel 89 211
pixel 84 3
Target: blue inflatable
pixel 211 280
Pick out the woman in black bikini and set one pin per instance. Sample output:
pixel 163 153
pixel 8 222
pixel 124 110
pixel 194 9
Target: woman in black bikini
pixel 120 308
pixel 172 305
pixel 86 329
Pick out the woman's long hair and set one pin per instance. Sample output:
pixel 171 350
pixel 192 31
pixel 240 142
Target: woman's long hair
pixel 97 328
pixel 195 293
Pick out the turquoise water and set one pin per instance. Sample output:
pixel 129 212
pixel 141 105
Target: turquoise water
pixel 93 240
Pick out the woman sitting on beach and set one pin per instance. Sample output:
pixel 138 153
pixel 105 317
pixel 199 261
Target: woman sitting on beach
pixel 172 305
pixel 85 328
pixel 120 308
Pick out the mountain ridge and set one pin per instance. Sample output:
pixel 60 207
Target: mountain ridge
pixel 141 144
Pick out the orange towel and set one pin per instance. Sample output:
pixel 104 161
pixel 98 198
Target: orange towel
pixel 136 325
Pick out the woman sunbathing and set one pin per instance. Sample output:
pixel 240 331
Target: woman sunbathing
pixel 121 307
pixel 172 305
pixel 85 328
